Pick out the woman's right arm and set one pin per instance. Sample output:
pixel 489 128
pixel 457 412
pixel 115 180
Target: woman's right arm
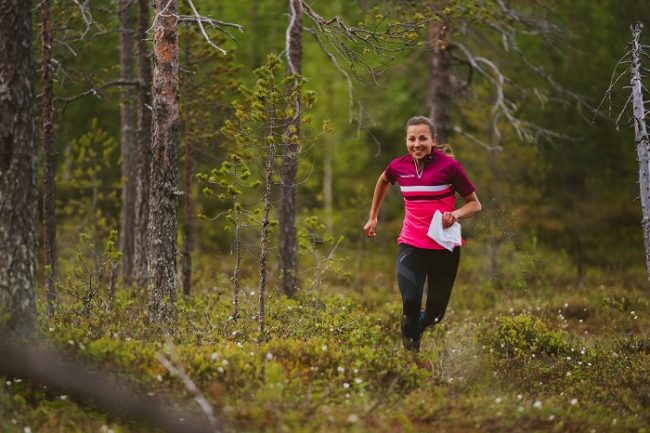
pixel 380 192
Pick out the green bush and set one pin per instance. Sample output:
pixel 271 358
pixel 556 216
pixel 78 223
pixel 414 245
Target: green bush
pixel 525 335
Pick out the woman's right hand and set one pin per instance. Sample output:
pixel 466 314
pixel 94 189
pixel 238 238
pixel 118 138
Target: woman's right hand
pixel 369 228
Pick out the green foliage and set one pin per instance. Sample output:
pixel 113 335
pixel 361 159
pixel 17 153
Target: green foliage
pixel 334 362
pixel 518 331
pixel 526 335
pixel 88 190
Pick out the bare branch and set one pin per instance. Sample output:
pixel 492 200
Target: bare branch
pixel 503 107
pixel 618 118
pixel 219 25
pixel 205 35
pixel 474 139
pixel 96 91
pixel 191 387
pixel 67 46
pixel 612 83
pixel 348 40
pixel 84 10
pixel 338 67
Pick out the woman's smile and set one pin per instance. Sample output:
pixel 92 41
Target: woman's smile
pixel 419 141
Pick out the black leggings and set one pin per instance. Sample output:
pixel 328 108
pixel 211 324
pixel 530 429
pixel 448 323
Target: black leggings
pixel 413 266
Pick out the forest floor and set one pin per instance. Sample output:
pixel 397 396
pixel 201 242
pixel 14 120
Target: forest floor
pixel 503 360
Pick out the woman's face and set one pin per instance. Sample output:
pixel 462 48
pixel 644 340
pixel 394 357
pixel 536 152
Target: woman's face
pixel 419 141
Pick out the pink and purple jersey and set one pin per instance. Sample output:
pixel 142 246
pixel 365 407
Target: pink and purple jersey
pixel 426 191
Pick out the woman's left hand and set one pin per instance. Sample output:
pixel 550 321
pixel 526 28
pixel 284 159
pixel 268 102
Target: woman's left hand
pixel 448 219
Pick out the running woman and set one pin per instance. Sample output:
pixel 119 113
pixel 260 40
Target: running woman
pixel 428 180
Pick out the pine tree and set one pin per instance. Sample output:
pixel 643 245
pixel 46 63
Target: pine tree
pixel 163 201
pixel 140 237
pixel 18 196
pixel 49 162
pixel 128 142
pixel 287 251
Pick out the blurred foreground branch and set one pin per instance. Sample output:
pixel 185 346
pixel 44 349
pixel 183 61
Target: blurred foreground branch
pixel 87 385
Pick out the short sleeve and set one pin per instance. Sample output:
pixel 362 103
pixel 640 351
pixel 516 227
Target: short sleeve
pixel 461 182
pixel 390 173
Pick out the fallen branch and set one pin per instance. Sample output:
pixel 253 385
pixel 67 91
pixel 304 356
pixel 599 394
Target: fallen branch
pixel 86 385
pixel 190 386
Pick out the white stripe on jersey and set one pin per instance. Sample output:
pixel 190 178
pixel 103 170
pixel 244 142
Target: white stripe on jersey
pixel 435 188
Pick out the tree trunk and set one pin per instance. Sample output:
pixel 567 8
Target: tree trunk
pixel 580 255
pixel 128 149
pixel 188 208
pixel 140 238
pixel 18 196
pixel 327 184
pixel 327 169
pixel 641 138
pixel 188 239
pixel 49 155
pixel 440 85
pixel 163 201
pixel 235 274
pixel 287 248
pixel 264 236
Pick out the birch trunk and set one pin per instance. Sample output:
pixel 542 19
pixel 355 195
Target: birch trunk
pixel 140 271
pixel 641 139
pixel 128 142
pixel 440 84
pixel 163 201
pixel 287 248
pixel 49 157
pixel 18 196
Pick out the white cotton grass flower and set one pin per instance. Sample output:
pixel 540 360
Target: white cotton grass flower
pixel 269 356
pixel 340 369
pixel 574 401
pixel 353 418
pixel 358 381
pixel 537 404
pixel 346 385
pixel 497 400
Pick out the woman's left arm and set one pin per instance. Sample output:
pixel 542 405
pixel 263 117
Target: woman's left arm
pixel 472 205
